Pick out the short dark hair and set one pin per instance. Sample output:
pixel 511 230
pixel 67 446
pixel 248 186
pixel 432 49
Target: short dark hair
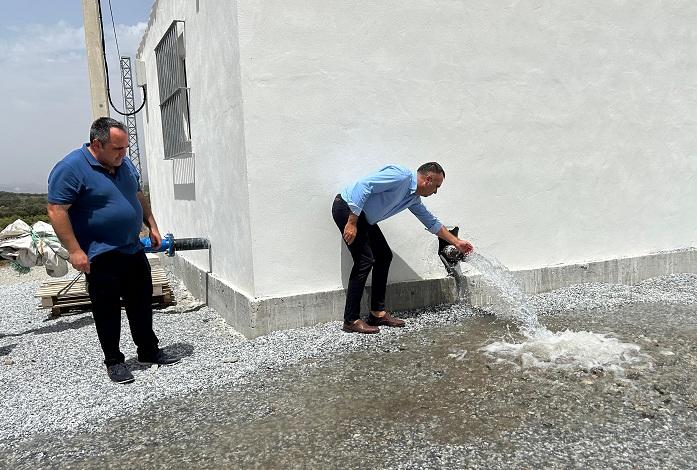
pixel 101 129
pixel 431 167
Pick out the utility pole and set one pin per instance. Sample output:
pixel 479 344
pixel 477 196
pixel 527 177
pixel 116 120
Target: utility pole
pixel 95 58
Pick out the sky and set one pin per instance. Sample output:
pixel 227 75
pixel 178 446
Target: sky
pixel 44 84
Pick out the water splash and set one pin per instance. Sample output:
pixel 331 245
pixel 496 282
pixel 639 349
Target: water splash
pixel 581 350
pixel 543 348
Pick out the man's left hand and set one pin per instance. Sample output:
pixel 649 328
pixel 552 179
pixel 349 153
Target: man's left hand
pixel 155 238
pixel 464 246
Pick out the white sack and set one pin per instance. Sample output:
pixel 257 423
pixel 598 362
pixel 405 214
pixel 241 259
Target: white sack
pixel 34 246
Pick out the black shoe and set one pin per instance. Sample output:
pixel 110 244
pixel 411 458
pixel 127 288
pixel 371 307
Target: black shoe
pixel 160 358
pixel 119 373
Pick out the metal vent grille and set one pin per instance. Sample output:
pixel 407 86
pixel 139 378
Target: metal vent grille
pixel 174 94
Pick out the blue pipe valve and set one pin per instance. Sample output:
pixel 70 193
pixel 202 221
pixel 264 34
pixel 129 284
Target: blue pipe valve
pixel 166 247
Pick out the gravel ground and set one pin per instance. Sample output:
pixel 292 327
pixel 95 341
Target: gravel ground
pixel 52 379
pixel 675 289
pixel 419 401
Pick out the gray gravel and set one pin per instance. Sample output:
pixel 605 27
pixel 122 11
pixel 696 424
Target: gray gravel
pixel 52 379
pixel 412 404
pixel 674 289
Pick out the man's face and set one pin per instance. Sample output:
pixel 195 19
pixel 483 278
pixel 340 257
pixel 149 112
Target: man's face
pixel 112 153
pixel 432 182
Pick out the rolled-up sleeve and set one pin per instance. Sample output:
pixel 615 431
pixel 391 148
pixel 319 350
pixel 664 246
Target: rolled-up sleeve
pixel 357 197
pixel 431 223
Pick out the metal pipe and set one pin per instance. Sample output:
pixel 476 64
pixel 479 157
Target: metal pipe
pixel 191 244
pixel 170 245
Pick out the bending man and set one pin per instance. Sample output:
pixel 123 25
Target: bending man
pixel 357 211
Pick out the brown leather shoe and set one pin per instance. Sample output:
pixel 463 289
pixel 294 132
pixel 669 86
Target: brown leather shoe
pixel 360 327
pixel 385 320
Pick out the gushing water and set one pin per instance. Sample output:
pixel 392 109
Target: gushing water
pixel 543 348
pixel 512 303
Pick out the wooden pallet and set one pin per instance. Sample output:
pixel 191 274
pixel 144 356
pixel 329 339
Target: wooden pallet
pixel 76 297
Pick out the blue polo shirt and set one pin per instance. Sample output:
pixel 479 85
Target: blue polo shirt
pixel 387 192
pixel 105 212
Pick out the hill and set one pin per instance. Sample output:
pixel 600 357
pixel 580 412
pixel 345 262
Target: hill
pixel 29 207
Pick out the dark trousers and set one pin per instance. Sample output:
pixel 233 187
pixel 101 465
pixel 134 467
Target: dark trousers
pixel 369 251
pixel 114 276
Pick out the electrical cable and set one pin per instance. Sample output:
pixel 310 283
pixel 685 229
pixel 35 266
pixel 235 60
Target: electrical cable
pixel 106 66
pixel 118 51
pixel 113 27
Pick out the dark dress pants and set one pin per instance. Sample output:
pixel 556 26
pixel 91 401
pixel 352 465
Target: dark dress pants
pixel 115 276
pixel 369 250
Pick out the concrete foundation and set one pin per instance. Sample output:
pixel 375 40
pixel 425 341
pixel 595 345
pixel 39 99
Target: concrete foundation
pixel 626 271
pixel 257 316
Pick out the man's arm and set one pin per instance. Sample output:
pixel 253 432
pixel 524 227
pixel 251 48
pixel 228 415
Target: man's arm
pixel 434 226
pixel 58 215
pixel 149 220
pixel 463 245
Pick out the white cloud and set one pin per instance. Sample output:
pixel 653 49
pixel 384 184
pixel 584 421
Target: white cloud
pixel 129 37
pixel 61 42
pixel 38 43
pixel 47 108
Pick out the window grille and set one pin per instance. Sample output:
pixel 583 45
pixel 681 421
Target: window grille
pixel 170 55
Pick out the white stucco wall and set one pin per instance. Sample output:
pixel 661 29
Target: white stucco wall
pixel 567 129
pixel 219 208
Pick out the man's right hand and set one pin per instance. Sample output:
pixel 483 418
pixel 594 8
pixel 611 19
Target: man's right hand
pixel 350 233
pixel 350 229
pixel 80 261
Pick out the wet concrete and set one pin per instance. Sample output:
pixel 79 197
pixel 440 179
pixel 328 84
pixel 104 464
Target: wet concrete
pixel 428 400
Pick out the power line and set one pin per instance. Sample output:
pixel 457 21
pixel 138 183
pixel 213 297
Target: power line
pixel 124 91
pixel 113 26
pixel 106 66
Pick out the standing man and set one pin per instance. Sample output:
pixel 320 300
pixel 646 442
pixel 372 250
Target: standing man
pixel 97 208
pixel 357 211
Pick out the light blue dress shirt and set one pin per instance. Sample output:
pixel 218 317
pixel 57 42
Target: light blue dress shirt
pixel 387 192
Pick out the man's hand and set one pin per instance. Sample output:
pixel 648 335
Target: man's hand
pixel 155 238
pixel 350 229
pixel 350 233
pixel 80 261
pixel 464 246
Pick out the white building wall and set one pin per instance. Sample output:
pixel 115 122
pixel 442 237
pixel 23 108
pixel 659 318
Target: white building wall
pixel 217 206
pixel 567 129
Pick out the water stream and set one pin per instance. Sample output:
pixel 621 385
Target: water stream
pixel 538 346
